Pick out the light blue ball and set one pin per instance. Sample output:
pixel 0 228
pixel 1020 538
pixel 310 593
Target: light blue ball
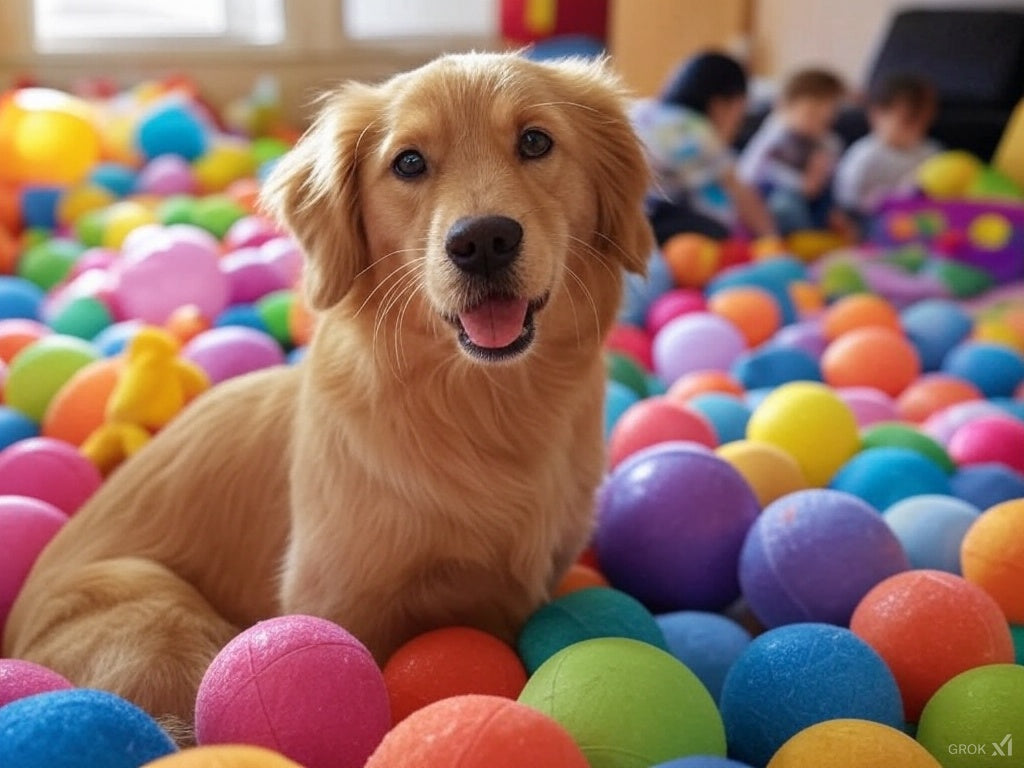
pixel 114 177
pixel 754 397
pixel 774 366
pixel 728 415
pixel 707 643
pixel 113 339
pixel 934 327
pixel 76 728
pixel 985 485
pixel 15 427
pixel 617 400
pixel 172 129
pixel 1010 406
pixel 996 370
pixel 246 315
pixel 702 761
pixel 931 529
pixel 297 355
pixel 884 476
pixel 800 675
pixel 39 207
pixel 640 292
pixel 19 298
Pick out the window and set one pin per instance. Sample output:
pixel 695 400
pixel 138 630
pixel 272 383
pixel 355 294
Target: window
pixel 368 19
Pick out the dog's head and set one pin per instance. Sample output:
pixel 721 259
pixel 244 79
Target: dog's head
pixel 486 190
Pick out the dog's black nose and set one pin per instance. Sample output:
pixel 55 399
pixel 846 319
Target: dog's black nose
pixel 483 245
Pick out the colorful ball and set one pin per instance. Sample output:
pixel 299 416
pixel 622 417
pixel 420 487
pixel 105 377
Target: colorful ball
pixel 727 414
pixel 869 405
pixel 985 485
pixel 871 357
pixel 224 162
pixel 931 529
pixel 807 336
pixel 48 470
pixel 618 399
pixel 702 761
pixel 641 290
pixel 224 353
pixel 83 317
pixel 631 341
pixel 250 232
pixel 943 425
pixel 672 304
pixel 19 298
pixel 994 369
pixel 935 326
pixel 696 342
pixel 692 258
pixel 232 756
pixel 20 679
pixel 988 440
pixel 579 577
pixel 167 175
pixel 657 420
pixel 39 371
pixel 992 556
pixel 770 472
pixel 80 407
pixel 893 434
pixel 171 128
pixel 774 366
pixel 884 476
pixel 15 426
pixel 707 643
pixel 274 308
pixel 948 174
pixel 861 310
pixel 852 743
pixel 26 526
pixel 698 383
pixel 753 311
pixel 49 262
pixel 625 370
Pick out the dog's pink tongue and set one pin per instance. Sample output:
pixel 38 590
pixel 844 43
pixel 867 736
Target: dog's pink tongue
pixel 496 323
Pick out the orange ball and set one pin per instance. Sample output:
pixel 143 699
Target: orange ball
pixel 186 322
pixel 580 577
pixel 933 393
pixel 16 334
pixel 9 252
pixel 701 382
pixel 10 209
pixel 692 259
pixel 871 357
pixel 807 298
pixel 300 321
pixel 861 310
pixel 477 732
pixel 992 556
pixel 450 662
pixel 245 192
pixel 929 626
pixel 80 407
pixel 753 311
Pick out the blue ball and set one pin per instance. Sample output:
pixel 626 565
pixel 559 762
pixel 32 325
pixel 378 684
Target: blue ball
pixel 935 326
pixel 774 366
pixel 985 485
pixel 707 643
pixel 996 370
pixel 245 315
pixel 640 292
pixel 617 400
pixel 297 355
pixel 20 298
pixel 79 727
pixel 39 207
pixel 800 675
pixel 15 427
pixel 172 129
pixel 112 340
pixel 655 386
pixel 754 397
pixel 114 177
pixel 728 415
pixel 931 529
pixel 702 761
pixel 882 476
pixel 1010 406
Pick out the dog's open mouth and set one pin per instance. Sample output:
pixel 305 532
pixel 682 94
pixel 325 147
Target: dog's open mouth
pixel 498 328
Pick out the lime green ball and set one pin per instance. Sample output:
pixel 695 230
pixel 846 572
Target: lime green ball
pixel 623 370
pixel 177 209
pixel 963 280
pixel 83 317
pixel 274 309
pixel 626 703
pixel 35 236
pixel 90 227
pixel 38 372
pixel 842 279
pixel 899 435
pixel 1018 642
pixel 268 148
pixel 982 708
pixel 49 262
pixel 216 214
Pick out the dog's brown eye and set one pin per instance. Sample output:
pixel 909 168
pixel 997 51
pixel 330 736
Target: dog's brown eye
pixel 409 164
pixel 534 143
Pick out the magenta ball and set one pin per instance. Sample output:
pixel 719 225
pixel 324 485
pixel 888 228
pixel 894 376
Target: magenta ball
pixel 941 426
pixel 19 679
pixel 166 175
pixel 299 685
pixel 989 440
pixel 869 405
pixel 250 232
pixel 26 526
pixel 232 351
pixel 49 470
pixel 673 304
pixel 251 276
pixel 671 522
pixel 696 342
pixel 94 258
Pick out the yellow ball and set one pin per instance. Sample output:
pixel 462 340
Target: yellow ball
pixel 852 744
pixel 224 757
pixel 812 424
pixel 119 139
pixel 223 164
pixel 769 471
pixel 122 219
pixel 811 244
pixel 990 231
pixel 78 201
pixel 998 331
pixel 948 174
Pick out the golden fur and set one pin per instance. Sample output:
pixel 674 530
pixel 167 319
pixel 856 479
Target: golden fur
pixel 391 482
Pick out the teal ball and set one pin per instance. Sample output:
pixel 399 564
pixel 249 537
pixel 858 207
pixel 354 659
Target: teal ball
pixel 707 643
pixel 884 476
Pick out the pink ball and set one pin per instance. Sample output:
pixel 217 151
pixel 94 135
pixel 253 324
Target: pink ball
pixel 696 342
pixel 284 254
pixel 633 342
pixel 26 526
pixel 94 258
pixel 251 275
pixel 989 439
pixel 673 304
pixel 166 175
pixel 654 421
pixel 869 405
pixel 299 685
pixel 49 470
pixel 19 679
pixel 250 232
pixel 232 351
pixel 941 426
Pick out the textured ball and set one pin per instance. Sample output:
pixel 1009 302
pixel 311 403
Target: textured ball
pixel 727 414
pixel 627 704
pixel 477 732
pixel 985 485
pixel 884 476
pixel 224 757
pixel 861 310
pixel 692 258
pixel 994 439
pixel 852 744
pixel 585 615
pixel 696 342
pixel 224 353
pixel 753 311
pixel 931 529
pixel 455 661
pixel 896 435
pixel 810 423
pixel 72 728
pixel 992 556
pixel 812 556
pixel 673 304
pixel 578 577
pixel 994 369
pixel 821 672
pixel 869 405
pixel 702 761
pixel 49 470
pixel 770 472
pixel 38 372
pixel 19 679
pixel 335 719
pixel 671 522
pixel 707 643
pixel 774 366
pixel 981 707
pixel 899 619
pixel 871 357
pixel 657 420
pixel 934 327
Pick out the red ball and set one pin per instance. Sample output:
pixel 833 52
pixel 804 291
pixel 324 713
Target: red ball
pixel 633 342
pixel 451 662
pixel 992 439
pixel 657 420
pixel 26 526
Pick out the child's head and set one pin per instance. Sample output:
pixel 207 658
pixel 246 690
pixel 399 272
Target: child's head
pixel 714 85
pixel 810 100
pixel 901 109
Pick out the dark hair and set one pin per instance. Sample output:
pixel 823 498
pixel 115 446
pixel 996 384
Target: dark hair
pixel 812 84
pixel 916 93
pixel 704 77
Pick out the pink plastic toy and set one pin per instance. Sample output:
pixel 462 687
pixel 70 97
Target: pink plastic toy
pixel 49 470
pixel 19 679
pixel 26 526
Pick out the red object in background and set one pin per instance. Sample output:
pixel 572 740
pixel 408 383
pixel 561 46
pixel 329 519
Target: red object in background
pixel 528 21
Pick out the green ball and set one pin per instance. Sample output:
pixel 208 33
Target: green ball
pixel 963 280
pixel 842 279
pixel 585 615
pixel 1018 642
pixel 267 148
pixel 83 317
pixel 38 372
pixel 49 262
pixel 974 716
pixel 35 236
pixel 177 209
pixel 627 704
pixel 899 435
pixel 216 214
pixel 623 370
pixel 274 309
pixel 990 184
pixel 90 227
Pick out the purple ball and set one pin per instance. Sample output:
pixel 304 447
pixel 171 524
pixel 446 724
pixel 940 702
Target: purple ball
pixel 806 336
pixel 251 275
pixel 671 522
pixel 812 555
pixel 19 679
pixel 696 342
pixel 167 175
pixel 232 351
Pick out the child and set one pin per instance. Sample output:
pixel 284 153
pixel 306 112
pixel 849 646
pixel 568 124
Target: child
pixel 792 157
pixel 900 109
pixel 687 132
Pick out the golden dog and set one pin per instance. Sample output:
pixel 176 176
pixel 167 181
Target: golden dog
pixel 434 460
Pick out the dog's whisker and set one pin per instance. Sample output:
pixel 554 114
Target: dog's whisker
pixel 572 306
pixel 586 292
pixel 417 285
pixel 375 262
pixel 399 270
pixel 397 296
pixel 602 259
pixel 384 306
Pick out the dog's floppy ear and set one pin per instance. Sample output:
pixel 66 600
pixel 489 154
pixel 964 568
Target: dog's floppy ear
pixel 313 191
pixel 619 170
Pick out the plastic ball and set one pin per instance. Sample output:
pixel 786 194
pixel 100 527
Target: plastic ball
pixel 693 259
pixel 985 485
pixel 982 707
pixel 871 357
pixel 1018 640
pixel 862 310
pixel 821 672
pixel 39 371
pixel 49 262
pixel 216 214
pixel 948 174
pixel 631 341
pixel 49 470
pixel 274 308
pixel 753 311
pixel 702 761
pixel 931 529
pixel 869 405
pixel 455 661
pixel 250 232
pixel 935 326
pixel 992 556
pixel 657 420
pixel 696 342
pixel 641 290
pixel 79 408
pixel 19 679
pixel 15 426
pixel 672 304
pixel 78 201
pixel 698 383
pixel 335 719
pixel 478 732
pixel 627 703
pixel 671 523
pixel 994 369
pixel 579 577
pixel 990 231
pixel 224 353
pixel 770 472
pixel 806 336
pixel 884 476
pixel 19 298
pixel 167 175
pixel 245 315
pixel 232 756
pixel 933 393
pixel 114 338
pixel 223 163
pixel 26 526
pixel 898 435
pixel 810 423
pixel 727 414
pixel 707 643
pixel 774 366
pixel 851 743
pixel 617 400
pixel 625 370
pixel 988 440
pixel 114 177
pixel 83 317
pixel 899 617
pixel 943 425
pixel 773 275
pixel 171 128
